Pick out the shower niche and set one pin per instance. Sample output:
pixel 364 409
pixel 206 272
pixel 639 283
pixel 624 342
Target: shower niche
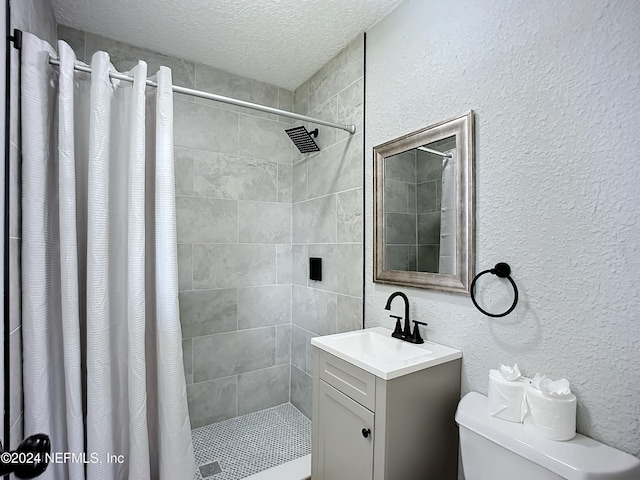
pixel 424 210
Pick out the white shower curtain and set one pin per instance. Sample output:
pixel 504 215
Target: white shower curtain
pixel 448 211
pixel 102 349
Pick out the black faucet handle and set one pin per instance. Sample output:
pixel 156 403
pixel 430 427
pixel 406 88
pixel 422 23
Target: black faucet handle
pixel 397 332
pixel 416 332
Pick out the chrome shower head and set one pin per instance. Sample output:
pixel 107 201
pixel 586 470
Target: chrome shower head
pixel 302 139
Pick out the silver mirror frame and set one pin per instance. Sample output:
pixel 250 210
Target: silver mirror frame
pixel 463 129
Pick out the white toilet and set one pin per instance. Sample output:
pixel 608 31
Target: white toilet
pixel 499 450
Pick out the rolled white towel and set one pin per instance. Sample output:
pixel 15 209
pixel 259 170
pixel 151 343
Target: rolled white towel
pixel 551 408
pixel 506 394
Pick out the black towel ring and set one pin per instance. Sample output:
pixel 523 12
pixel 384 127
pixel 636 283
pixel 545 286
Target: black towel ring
pixel 503 270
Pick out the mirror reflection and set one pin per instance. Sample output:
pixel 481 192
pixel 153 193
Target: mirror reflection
pixel 424 221
pixel 420 223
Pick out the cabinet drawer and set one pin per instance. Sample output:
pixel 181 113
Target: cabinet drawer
pixel 349 379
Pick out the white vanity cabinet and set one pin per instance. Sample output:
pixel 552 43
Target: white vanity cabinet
pixel 370 428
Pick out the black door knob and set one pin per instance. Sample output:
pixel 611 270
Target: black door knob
pixel 366 432
pixel 37 448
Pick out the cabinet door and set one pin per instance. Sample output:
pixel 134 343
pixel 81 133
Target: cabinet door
pixel 344 453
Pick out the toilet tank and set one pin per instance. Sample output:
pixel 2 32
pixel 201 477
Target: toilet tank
pixel 495 449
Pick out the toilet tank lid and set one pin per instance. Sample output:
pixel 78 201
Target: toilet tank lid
pixel 582 458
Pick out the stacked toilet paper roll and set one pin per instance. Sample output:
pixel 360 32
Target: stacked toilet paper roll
pixel 551 408
pixel 506 394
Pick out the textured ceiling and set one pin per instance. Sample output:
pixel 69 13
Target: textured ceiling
pixel 282 42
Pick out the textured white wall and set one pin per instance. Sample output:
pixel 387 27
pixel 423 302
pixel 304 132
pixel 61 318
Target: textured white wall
pixel 556 87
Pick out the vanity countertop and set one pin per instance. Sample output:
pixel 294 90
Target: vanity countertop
pixel 377 352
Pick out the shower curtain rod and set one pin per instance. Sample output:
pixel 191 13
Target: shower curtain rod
pixel 219 98
pixel 435 152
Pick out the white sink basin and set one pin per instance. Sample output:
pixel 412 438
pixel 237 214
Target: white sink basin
pixel 377 352
pixel 368 345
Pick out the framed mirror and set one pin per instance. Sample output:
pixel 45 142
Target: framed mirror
pixel 425 207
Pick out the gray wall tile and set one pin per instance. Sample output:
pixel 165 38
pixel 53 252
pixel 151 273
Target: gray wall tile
pixel 314 310
pixel 428 166
pixel 242 351
pixel 299 181
pixel 400 228
pixel 315 221
pixel 309 351
pixel 401 167
pixel 349 313
pixel 301 99
pixel 429 228
pixel 285 102
pixel 265 139
pixel 224 266
pixel 212 401
pixel 349 210
pixel 183 171
pixel 412 200
pixel 264 222
pixel 185 267
pixel 328 110
pixel 283 344
pixel 301 391
pixel 427 197
pixel 226 176
pixel 264 306
pixel 284 263
pixel 206 220
pixel 205 312
pixel 396 196
pixel 428 258
pixel 187 358
pixel 285 173
pixel 263 389
pixel 401 257
pixel 299 347
pixel 213 80
pixel 300 264
pixel 124 57
pixel 351 108
pixel 205 128
pixel 336 168
pixel 341 71
pixel 341 267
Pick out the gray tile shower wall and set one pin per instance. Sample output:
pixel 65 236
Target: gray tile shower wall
pixel 327 215
pixel 34 16
pixel 233 187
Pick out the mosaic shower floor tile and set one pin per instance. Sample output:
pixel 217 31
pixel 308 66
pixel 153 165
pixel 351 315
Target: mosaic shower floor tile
pixel 251 443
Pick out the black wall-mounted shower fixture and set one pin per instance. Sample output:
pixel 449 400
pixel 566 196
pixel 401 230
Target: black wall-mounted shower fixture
pixel 303 140
pixel 315 268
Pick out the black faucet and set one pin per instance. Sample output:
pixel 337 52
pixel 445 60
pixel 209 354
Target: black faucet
pixel 407 323
pixel 405 334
